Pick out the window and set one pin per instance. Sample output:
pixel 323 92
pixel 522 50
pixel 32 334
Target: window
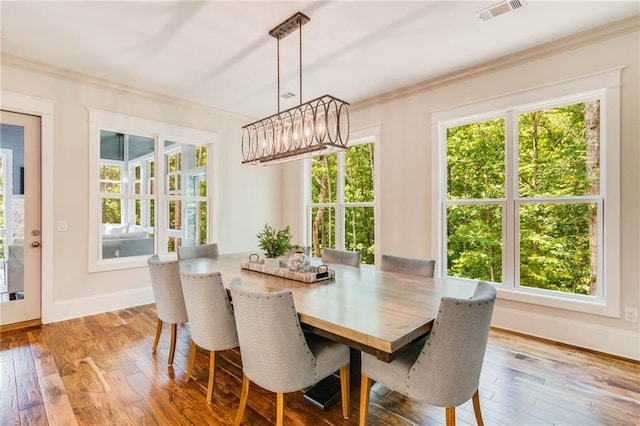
pixel 139 215
pixel 523 195
pixel 340 206
pixel 186 190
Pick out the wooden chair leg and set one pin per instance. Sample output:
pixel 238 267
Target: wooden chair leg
pixel 280 409
pixel 212 375
pixel 450 416
pixel 243 399
pixel 476 408
pixel 158 331
pixel 172 347
pixel 345 390
pixel 365 387
pixel 192 360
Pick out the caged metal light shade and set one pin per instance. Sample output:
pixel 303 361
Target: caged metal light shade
pixel 313 128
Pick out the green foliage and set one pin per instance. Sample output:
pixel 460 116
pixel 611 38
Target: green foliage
pixel 557 156
pixel 359 225
pixel 476 160
pixel 274 243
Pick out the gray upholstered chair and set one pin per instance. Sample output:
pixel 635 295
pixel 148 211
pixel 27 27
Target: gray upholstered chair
pixel 204 250
pixel 167 291
pixel 407 265
pixel 342 257
pixel 211 320
pixel 444 369
pixel 276 354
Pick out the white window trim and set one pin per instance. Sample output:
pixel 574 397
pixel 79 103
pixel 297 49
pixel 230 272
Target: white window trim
pixel 606 82
pixel 104 120
pixel 356 137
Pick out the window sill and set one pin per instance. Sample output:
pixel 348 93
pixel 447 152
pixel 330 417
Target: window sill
pixel 590 306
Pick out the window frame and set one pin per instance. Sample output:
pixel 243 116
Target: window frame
pixel 365 136
pixel 160 132
pixel 604 86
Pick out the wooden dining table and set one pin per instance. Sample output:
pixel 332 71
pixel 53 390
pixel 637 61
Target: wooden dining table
pixel 374 311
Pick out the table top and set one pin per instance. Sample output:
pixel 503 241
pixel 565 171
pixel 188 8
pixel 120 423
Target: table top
pixel 372 310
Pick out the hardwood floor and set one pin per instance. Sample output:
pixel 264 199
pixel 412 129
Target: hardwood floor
pixel 99 370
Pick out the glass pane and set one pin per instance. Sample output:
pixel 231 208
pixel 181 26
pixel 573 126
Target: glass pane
pixel 139 208
pixel 12 212
pixel 324 182
pixel 136 243
pixel 323 229
pixel 201 156
pixel 110 179
pixel 558 247
pixel 474 242
pixel 559 151
pixel 358 173
pixel 196 185
pixel 173 162
pixel 475 160
pixel 172 244
pixel 191 222
pixel 359 232
pixel 121 237
pixel 173 185
pixel 111 211
pixel 111 146
pixel 175 214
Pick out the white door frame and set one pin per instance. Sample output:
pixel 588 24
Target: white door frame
pixel 43 108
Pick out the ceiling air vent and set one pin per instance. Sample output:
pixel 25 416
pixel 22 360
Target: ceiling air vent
pixel 287 95
pixel 499 9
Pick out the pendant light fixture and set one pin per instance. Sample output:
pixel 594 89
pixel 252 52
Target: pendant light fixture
pixel 313 128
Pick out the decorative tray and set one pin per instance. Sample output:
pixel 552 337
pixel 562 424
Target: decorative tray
pixel 311 275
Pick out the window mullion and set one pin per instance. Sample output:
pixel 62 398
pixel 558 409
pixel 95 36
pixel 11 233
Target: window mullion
pixel 161 211
pixel 510 248
pixel 340 210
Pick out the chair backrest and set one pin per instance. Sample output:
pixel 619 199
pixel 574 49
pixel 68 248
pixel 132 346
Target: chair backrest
pixel 167 290
pixel 211 320
pixel 204 250
pixel 341 257
pixel 275 354
pixel 407 265
pixel 447 371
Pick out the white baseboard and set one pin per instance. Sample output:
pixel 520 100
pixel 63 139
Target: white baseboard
pixel 75 308
pixel 608 340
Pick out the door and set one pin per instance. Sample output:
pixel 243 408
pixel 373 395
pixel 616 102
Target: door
pixel 20 218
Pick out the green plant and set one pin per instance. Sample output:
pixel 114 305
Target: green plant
pixel 274 243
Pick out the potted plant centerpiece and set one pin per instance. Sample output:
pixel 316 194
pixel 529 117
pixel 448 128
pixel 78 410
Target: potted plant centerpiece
pixel 274 243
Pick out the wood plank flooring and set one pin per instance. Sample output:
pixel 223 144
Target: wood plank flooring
pixel 99 370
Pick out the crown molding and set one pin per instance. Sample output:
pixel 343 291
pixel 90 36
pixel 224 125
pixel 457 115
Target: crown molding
pixel 67 74
pixel 581 39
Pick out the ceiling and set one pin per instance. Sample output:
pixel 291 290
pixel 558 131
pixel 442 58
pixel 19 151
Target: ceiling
pixel 219 53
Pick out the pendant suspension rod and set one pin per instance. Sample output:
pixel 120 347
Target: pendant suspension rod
pixel 300 45
pixel 278 93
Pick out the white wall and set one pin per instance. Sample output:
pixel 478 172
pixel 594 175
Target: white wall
pixel 406 178
pixel 247 196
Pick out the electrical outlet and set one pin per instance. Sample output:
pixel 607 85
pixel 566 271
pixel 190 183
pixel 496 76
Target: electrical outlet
pixel 631 314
